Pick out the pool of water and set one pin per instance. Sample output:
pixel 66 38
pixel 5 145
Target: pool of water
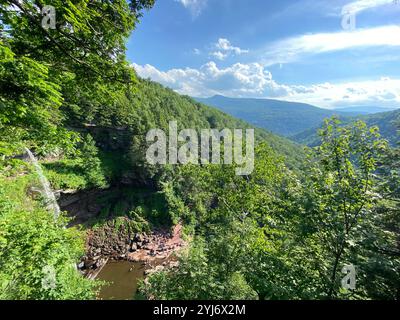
pixel 122 278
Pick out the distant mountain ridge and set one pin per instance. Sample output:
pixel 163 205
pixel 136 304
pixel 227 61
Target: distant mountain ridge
pixel 280 117
pixel 365 109
pixel 388 123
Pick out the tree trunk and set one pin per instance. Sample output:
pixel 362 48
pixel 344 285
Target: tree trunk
pixel 335 267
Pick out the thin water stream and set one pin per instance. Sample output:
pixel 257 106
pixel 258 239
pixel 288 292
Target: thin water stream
pixel 47 193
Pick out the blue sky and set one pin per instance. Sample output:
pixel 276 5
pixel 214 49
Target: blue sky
pixel 330 53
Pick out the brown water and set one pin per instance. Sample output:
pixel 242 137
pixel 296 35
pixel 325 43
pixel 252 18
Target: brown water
pixel 123 279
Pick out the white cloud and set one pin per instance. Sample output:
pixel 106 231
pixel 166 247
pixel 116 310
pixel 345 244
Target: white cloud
pixel 195 7
pixel 219 55
pixel 225 45
pixel 292 49
pixel 196 51
pixel 224 49
pixel 237 80
pixel 384 92
pixel 253 80
pixel 362 5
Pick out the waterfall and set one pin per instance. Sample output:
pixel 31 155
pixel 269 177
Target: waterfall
pixel 47 193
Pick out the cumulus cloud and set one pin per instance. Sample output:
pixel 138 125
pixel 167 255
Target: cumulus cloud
pixel 292 49
pixel 195 7
pixel 237 80
pixel 225 45
pixel 384 92
pixel 219 55
pixel 253 80
pixel 223 49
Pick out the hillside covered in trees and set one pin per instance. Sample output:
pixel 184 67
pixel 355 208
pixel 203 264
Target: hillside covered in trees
pixel 281 117
pixel 285 231
pixel 387 122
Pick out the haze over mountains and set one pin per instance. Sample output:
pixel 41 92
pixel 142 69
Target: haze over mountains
pixel 282 117
pixel 365 109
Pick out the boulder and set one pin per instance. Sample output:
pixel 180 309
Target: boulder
pixel 89 264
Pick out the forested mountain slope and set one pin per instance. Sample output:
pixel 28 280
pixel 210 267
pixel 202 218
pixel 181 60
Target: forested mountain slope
pixel 70 96
pixel 280 117
pixel 153 106
pixel 388 123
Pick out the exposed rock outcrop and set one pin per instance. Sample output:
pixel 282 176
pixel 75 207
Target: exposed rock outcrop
pixel 105 243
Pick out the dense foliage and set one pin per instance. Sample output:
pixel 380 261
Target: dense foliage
pixel 285 231
pixel 47 75
pixel 287 237
pixel 388 123
pixel 33 245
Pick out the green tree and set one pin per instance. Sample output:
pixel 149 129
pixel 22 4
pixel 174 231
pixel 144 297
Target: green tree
pixel 76 65
pixel 31 244
pixel 381 236
pixel 238 224
pixel 340 195
pixel 203 274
